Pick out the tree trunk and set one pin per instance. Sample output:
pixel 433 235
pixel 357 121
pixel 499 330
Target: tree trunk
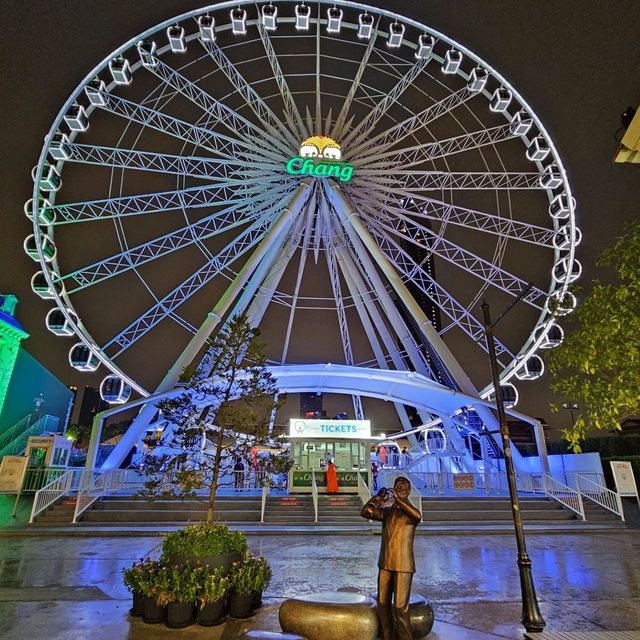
pixel 214 482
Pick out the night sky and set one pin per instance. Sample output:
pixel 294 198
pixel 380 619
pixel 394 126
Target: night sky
pixel 576 62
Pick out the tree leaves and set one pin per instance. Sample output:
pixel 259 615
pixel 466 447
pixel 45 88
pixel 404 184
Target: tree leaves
pixel 598 365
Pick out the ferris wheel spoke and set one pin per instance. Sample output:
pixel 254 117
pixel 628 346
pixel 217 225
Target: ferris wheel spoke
pixel 434 291
pixel 367 125
pixel 402 159
pixel 338 127
pixel 410 126
pixel 342 319
pixel 192 166
pixel 239 213
pixel 150 203
pixel 291 112
pixel 233 121
pixel 439 211
pixel 408 229
pixel 169 303
pixel 216 143
pixel 255 102
pixel 453 180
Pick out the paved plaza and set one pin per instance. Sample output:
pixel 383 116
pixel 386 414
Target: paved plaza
pixel 70 587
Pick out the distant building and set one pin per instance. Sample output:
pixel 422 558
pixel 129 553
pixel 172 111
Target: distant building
pixel 11 335
pixel 91 404
pixel 26 386
pixel 311 405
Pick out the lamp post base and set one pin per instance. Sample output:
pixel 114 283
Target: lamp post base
pixel 531 618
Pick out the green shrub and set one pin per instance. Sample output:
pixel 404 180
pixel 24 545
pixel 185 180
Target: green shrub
pixel 212 586
pixel 203 540
pixel 142 577
pixel 175 583
pixel 252 574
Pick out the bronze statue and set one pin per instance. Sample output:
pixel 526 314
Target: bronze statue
pixel 396 565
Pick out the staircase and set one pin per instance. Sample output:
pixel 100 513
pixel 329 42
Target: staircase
pixel 474 513
pixel 60 514
pixel 297 509
pixel 341 512
pixel 133 511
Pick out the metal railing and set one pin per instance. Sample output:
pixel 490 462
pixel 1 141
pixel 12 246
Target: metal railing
pixel 36 478
pixel 434 483
pixel 565 495
pixel 416 498
pixel 363 490
pixel 266 488
pixel 89 494
pixel 600 495
pixel 13 431
pixel 529 482
pixel 314 495
pixel 19 441
pixel 60 486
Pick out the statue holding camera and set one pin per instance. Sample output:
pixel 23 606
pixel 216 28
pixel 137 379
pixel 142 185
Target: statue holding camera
pixel 396 564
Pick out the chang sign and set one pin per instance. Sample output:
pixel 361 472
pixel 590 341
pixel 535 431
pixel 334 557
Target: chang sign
pixel 320 156
pixel 330 429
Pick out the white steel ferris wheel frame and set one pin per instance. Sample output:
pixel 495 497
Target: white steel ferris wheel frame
pixel 261 273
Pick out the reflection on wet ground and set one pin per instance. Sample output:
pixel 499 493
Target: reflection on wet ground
pixel 67 588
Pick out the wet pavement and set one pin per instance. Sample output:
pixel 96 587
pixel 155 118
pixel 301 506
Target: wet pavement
pixel 68 588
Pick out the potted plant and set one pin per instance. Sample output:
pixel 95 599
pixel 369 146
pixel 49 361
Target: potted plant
pixel 212 591
pixel 243 584
pixel 132 580
pixel 262 579
pixel 178 591
pixel 210 545
pixel 150 580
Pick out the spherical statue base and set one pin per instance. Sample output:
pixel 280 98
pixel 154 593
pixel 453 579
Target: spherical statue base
pixel 331 614
pixel 420 615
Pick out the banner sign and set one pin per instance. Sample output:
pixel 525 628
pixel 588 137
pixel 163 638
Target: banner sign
pixel 463 482
pixel 12 472
pixel 320 156
pixel 345 478
pixel 330 429
pixel 624 479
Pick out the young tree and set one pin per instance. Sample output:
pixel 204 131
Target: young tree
pixel 598 365
pixel 220 415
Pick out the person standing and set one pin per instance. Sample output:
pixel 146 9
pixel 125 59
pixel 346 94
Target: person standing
pixel 396 564
pixel 238 472
pixel 374 475
pixel 406 458
pixel 382 455
pixel 332 478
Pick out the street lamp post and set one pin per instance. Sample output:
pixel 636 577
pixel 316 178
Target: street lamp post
pixel 571 406
pixel 531 617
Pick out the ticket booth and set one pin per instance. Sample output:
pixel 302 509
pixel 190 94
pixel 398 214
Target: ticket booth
pixel 315 442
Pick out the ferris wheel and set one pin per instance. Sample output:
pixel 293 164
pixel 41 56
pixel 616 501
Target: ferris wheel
pixel 326 167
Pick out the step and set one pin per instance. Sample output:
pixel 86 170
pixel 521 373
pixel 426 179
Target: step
pixel 165 516
pixel 142 504
pixel 532 514
pixel 490 505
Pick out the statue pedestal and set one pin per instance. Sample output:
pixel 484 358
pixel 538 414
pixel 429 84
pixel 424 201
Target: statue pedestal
pixel 335 615
pixel 420 615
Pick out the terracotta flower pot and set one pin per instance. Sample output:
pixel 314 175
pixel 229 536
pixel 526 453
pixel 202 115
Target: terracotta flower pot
pixel 212 614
